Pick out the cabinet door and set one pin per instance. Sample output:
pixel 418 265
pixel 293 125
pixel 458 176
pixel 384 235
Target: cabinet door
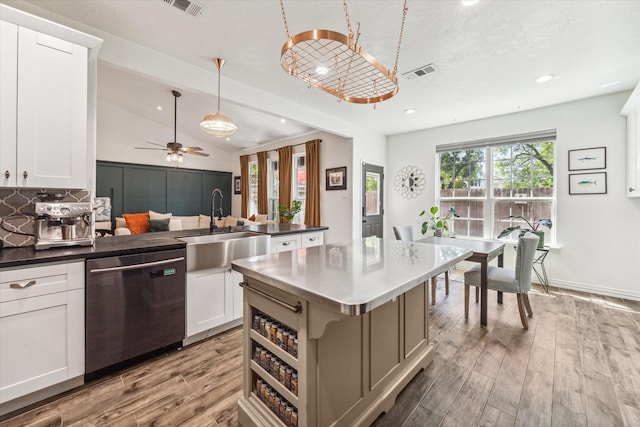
pixel 234 279
pixel 209 302
pixel 52 112
pixel 8 99
pixel 42 342
pixel 288 242
pixel 315 238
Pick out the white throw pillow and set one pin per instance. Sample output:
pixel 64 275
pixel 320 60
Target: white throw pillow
pixel 189 222
pixel 121 222
pixel 175 224
pixel 156 215
pixel 230 221
pixel 261 218
pixel 204 221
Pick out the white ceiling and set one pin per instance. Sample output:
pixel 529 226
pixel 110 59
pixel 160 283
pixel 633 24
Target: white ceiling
pixel 487 56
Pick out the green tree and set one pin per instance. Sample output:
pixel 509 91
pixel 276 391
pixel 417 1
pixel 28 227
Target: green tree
pixel 461 169
pixel 525 165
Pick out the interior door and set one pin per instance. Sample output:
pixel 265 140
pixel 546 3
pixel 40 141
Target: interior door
pixel 372 200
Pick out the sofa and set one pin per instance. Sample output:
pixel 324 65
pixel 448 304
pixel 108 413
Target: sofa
pixel 145 222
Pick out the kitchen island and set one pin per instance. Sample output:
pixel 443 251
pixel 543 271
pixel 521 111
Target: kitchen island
pixel 333 333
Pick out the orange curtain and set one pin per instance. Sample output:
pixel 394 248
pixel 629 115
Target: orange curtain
pixel 244 184
pixel 263 199
pixel 312 207
pixel 285 155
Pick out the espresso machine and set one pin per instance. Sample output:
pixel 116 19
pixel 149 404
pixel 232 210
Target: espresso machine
pixel 64 224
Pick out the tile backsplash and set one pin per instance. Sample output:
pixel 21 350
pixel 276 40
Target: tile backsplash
pixel 17 213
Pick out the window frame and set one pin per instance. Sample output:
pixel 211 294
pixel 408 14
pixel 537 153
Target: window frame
pixel 295 191
pixel 490 222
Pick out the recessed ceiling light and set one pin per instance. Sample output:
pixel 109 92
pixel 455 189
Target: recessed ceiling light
pixel 159 108
pixel 283 120
pixel 609 84
pixel 409 111
pixel 469 2
pixel 228 139
pixel 545 78
pixel 322 69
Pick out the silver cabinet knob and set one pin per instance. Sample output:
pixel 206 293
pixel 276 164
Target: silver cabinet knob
pixel 25 175
pixel 7 174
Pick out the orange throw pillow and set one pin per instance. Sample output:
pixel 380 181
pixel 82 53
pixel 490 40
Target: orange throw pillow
pixel 252 217
pixel 137 223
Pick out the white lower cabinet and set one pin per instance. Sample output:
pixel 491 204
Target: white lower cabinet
pixel 289 242
pixel 212 299
pixel 41 328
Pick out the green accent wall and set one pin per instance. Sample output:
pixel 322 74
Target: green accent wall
pixel 139 188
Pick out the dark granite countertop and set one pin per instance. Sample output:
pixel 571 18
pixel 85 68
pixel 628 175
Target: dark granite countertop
pixel 125 245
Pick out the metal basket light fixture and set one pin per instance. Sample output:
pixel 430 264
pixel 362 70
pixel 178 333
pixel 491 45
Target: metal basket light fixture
pixel 336 64
pixel 218 124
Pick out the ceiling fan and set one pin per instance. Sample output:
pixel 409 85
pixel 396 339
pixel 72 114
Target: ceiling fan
pixel 174 149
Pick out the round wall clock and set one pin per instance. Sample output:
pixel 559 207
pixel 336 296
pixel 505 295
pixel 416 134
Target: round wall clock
pixel 409 182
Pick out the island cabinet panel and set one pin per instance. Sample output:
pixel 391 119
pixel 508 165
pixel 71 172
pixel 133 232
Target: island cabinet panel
pixel 350 368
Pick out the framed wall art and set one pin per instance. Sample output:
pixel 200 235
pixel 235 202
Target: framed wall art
pixel 588 183
pixel 337 178
pixel 588 158
pixel 237 188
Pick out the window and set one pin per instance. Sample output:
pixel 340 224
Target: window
pixel 487 182
pixel 299 184
pixel 253 188
pixel 273 190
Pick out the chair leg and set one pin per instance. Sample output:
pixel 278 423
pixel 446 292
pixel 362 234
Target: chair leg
pixel 446 282
pixel 433 290
pixel 477 294
pixel 527 305
pixel 466 301
pixel 523 317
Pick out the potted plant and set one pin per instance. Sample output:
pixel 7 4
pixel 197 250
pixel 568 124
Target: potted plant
pixel 287 213
pixel 534 225
pixel 437 223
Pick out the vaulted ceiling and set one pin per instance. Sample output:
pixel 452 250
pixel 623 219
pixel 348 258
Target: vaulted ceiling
pixel 487 55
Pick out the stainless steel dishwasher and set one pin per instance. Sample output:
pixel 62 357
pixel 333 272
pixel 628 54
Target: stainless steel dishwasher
pixel 135 304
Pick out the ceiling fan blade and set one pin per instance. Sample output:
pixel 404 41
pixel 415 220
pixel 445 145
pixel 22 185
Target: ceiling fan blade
pixel 149 148
pixel 197 153
pixel 190 149
pixel 159 145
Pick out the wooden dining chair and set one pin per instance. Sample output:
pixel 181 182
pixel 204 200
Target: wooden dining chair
pixel 517 281
pixel 405 232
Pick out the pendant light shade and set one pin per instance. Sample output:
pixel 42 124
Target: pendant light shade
pixel 218 124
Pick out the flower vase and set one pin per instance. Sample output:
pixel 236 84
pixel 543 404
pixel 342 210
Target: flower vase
pixel 437 233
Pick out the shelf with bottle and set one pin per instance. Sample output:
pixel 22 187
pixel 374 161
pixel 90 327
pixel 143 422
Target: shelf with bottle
pixel 279 406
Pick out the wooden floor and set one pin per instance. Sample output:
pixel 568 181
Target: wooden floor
pixel 578 364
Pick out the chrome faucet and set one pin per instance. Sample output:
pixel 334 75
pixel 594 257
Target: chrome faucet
pixel 212 224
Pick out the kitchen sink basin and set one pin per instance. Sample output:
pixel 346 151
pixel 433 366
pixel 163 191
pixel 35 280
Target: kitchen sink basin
pixel 212 251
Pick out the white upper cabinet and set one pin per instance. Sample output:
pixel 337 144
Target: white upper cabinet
pixel 632 110
pixel 45 131
pixel 8 101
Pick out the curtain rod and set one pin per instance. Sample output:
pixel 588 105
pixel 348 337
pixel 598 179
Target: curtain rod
pixel 294 145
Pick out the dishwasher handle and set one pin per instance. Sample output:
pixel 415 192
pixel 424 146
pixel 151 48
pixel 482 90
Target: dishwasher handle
pixel 136 266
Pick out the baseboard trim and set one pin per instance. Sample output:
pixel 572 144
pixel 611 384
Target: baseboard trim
pixel 600 290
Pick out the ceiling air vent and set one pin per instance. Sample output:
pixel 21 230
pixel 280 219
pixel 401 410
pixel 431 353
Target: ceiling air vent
pixel 187 6
pixel 420 71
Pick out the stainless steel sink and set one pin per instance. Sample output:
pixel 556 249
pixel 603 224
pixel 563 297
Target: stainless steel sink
pixel 218 250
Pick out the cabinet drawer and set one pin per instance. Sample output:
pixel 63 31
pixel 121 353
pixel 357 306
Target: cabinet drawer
pixel 28 282
pixel 285 243
pixel 312 239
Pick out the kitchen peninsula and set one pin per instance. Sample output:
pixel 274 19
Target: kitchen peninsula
pixel 333 333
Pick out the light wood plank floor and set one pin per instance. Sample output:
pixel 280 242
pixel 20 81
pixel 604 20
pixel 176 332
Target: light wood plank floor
pixel 578 364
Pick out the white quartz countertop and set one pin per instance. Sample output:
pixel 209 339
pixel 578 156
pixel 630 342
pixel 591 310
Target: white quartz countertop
pixel 352 277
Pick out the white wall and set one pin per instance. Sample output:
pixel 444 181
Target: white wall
pixel 335 205
pixel 119 131
pixel 598 236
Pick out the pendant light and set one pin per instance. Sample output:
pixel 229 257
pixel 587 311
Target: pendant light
pixel 218 124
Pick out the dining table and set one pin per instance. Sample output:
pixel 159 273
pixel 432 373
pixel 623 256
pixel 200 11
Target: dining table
pixel 483 252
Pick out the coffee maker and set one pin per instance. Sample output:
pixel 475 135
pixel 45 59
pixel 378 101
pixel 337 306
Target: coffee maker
pixel 64 224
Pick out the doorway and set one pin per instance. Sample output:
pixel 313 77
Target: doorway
pixel 372 200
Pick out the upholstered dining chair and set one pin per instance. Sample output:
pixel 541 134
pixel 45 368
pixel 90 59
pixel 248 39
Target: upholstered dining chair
pixel 405 232
pixel 516 280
